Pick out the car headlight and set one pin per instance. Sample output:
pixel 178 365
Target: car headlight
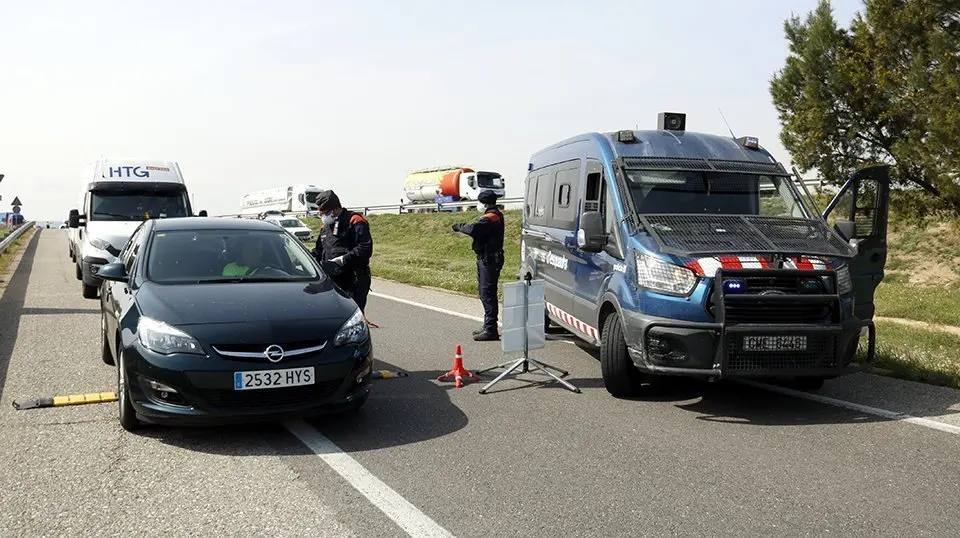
pixel 161 338
pixel 844 282
pixel 101 244
pixel 663 277
pixel 353 331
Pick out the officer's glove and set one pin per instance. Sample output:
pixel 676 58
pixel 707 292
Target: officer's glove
pixel 456 227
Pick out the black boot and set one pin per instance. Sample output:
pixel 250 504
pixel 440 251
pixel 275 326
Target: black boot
pixel 486 336
pixel 478 331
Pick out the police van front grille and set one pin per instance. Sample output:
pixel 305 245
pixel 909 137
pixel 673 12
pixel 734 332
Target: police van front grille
pixel 779 312
pixel 820 352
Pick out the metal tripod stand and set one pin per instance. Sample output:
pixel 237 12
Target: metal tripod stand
pixel 525 361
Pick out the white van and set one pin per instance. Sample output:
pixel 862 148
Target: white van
pixel 293 225
pixel 117 196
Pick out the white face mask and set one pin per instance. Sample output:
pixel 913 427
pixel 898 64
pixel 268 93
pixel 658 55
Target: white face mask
pixel 327 219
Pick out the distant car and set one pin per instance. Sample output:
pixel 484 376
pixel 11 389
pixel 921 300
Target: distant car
pixel 219 320
pixel 271 213
pixel 292 225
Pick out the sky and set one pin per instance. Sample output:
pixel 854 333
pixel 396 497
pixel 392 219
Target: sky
pixel 354 95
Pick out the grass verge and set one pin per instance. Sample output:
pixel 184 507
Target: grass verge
pixel 422 249
pixel 927 356
pixel 7 256
pixel 931 304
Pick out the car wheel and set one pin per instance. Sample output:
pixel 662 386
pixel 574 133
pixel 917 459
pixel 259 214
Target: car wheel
pixel 620 376
pixel 79 271
pixel 89 292
pixel 128 417
pixel 105 352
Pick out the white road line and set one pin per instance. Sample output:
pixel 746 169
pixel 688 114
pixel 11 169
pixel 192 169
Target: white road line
pixel 876 411
pixel 892 415
pixel 445 311
pixel 398 509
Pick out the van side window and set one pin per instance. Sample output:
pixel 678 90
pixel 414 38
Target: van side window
pixel 593 196
pixel 543 203
pixel 528 198
pixel 566 183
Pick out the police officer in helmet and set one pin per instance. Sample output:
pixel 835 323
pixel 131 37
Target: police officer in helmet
pixel 487 234
pixel 344 247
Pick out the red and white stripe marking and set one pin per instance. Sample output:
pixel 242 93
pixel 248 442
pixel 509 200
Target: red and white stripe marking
pixel 709 266
pixel 574 322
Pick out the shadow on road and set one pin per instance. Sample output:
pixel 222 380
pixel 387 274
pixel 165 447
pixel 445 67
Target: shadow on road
pixel 400 411
pixel 11 306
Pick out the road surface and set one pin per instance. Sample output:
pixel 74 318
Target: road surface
pixel 424 458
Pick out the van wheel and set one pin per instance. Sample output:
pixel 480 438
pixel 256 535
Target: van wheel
pixel 620 377
pixel 105 352
pixel 89 292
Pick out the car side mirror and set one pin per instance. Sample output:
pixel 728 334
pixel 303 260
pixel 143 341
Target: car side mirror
pixel 590 237
pixel 115 272
pixel 74 219
pixel 203 213
pixel 846 228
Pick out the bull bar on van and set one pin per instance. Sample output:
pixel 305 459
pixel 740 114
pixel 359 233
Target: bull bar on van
pixel 815 339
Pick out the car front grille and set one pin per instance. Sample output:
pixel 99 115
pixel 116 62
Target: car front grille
pixel 256 352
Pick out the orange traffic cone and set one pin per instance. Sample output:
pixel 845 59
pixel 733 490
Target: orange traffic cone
pixel 458 370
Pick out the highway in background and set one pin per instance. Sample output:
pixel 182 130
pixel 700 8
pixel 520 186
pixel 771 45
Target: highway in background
pixel 525 460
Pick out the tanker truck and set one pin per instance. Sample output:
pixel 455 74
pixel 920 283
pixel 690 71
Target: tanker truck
pixel 447 184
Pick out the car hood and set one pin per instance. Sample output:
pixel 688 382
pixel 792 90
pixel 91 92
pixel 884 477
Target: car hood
pixel 244 302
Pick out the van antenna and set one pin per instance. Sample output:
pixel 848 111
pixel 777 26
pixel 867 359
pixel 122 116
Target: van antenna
pixel 733 136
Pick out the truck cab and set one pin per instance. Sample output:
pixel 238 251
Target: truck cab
pixel 689 254
pixel 117 196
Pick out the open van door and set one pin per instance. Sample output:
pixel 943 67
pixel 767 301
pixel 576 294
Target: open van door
pixel 859 213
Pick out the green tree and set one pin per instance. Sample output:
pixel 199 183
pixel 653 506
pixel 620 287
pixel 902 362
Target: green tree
pixel 887 89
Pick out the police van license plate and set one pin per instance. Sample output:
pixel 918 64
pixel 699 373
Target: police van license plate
pixel 774 343
pixel 273 379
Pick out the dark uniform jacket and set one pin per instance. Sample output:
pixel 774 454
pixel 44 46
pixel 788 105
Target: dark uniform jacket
pixel 348 236
pixel 487 233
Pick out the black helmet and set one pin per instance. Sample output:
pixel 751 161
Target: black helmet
pixel 487 197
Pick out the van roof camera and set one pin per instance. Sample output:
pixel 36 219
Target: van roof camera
pixel 671 121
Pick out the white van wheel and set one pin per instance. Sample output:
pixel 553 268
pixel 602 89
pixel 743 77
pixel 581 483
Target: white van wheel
pixel 620 377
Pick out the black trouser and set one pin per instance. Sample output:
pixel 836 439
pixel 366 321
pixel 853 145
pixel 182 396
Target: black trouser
pixel 357 284
pixel 488 275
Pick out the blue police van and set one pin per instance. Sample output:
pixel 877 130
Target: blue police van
pixel 688 254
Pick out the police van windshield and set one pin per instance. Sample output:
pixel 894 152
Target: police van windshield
pixel 489 180
pixel 133 205
pixel 717 193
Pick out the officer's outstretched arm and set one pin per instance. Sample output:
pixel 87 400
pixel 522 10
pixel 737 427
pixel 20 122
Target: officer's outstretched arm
pixel 481 226
pixel 363 247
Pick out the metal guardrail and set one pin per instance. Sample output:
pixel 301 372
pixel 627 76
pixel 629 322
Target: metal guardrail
pixel 12 236
pixel 507 203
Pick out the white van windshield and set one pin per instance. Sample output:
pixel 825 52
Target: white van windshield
pixel 714 193
pixel 133 205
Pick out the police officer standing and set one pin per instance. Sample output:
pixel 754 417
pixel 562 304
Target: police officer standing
pixel 487 234
pixel 345 242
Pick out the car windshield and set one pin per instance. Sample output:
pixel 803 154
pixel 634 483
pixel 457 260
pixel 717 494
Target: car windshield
pixel 200 256
pixel 489 180
pixel 291 223
pixel 134 205
pixel 714 193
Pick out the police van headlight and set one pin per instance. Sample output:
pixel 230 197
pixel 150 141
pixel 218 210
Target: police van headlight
pixel 353 331
pixel 660 276
pixel 844 282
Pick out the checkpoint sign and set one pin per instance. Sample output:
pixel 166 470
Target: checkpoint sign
pixel 511 337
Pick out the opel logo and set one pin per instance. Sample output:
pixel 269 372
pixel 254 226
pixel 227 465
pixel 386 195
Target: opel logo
pixel 274 353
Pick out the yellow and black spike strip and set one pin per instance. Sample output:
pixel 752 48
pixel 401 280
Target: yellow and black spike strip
pixel 61 401
pixel 387 374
